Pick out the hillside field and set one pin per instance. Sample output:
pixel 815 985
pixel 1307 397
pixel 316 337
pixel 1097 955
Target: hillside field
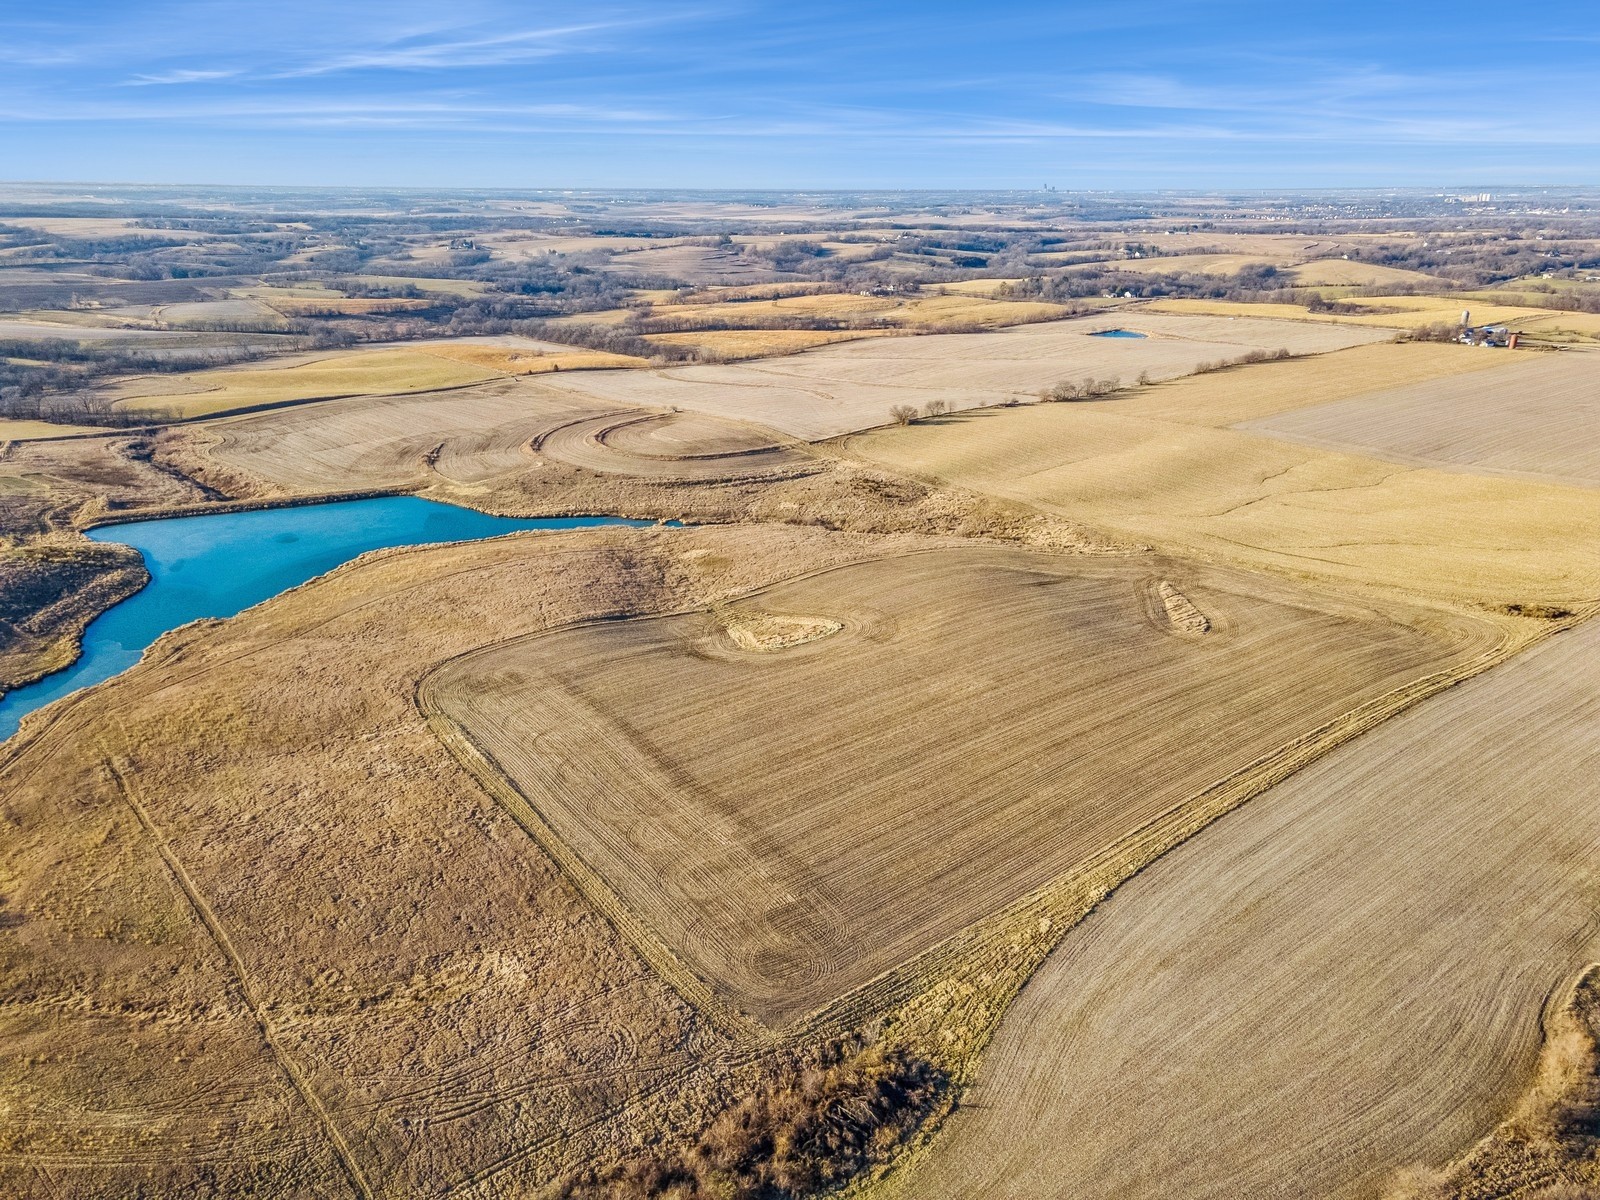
pixel 391 441
pixel 837 389
pixel 361 373
pixel 1343 977
pixel 1246 498
pixel 821 833
pixel 1535 416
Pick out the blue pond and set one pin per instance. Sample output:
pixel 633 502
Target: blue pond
pixel 1117 333
pixel 220 564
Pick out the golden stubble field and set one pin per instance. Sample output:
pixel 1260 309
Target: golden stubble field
pixel 790 834
pixel 360 373
pixel 1155 466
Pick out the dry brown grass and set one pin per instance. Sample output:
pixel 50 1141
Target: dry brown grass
pixel 49 591
pixel 830 1117
pixel 214 955
pixel 1356 959
pixel 1533 415
pixel 774 862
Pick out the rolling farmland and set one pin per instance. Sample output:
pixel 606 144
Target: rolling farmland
pixel 1249 499
pixel 1018 763
pixel 770 855
pixel 838 389
pixel 391 441
pixel 1340 979
pixel 482 431
pixel 669 446
pixel 366 373
pixel 1409 312
pixel 1528 416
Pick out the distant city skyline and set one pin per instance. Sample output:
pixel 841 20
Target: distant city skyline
pixel 489 94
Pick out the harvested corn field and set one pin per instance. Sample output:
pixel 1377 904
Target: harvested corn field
pixel 1249 499
pixel 229 389
pixel 1340 979
pixel 1536 415
pixel 1262 390
pixel 670 446
pixel 839 389
pixel 1024 714
pixel 391 441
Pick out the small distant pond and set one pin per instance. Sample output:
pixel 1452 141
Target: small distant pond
pixel 219 564
pixel 1118 333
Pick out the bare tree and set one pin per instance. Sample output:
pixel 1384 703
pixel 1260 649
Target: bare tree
pixel 903 414
pixel 936 408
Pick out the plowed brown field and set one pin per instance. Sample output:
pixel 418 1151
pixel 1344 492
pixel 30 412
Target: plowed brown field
pixel 791 823
pixel 1530 415
pixel 1341 978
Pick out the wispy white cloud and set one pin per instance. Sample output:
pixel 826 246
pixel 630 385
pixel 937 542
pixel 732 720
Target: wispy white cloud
pixel 418 52
pixel 181 75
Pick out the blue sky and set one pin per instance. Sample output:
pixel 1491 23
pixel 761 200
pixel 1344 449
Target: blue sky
pixel 488 93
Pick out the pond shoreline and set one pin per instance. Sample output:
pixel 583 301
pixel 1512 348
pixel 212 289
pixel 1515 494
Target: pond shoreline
pixel 211 562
